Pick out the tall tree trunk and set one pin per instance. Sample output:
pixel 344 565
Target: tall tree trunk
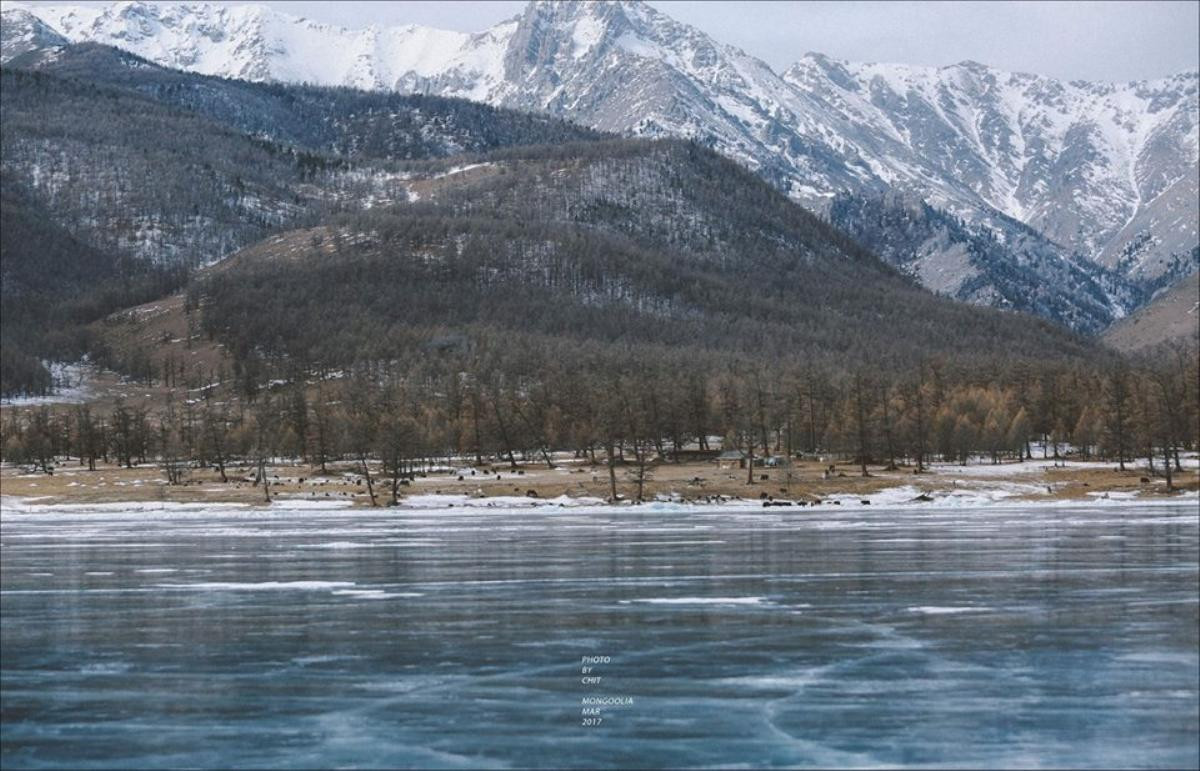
pixel 475 421
pixel 397 464
pixel 920 433
pixel 612 473
pixel 639 454
pixel 366 470
pixel 262 475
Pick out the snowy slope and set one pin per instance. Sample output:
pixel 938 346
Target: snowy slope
pixel 1087 164
pixel 255 42
pixel 21 32
pixel 1106 173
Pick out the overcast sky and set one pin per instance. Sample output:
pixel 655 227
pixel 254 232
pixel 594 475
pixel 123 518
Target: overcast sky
pixel 1114 41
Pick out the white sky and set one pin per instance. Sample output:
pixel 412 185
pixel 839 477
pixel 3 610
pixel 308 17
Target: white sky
pixel 1113 41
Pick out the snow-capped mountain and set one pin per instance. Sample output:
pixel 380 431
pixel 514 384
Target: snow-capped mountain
pixel 1107 174
pixel 21 32
pixel 1107 170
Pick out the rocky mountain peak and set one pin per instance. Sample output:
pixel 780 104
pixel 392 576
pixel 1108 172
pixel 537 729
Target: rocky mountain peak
pixel 548 32
pixel 22 32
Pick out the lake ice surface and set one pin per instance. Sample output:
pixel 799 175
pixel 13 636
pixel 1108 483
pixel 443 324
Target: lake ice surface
pixel 1004 636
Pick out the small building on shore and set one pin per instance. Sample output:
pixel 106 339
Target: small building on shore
pixel 731 459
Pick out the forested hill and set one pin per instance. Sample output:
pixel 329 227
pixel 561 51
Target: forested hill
pixel 667 195
pixel 53 285
pixel 183 168
pixel 627 250
pixel 413 224
pixel 127 171
pixel 345 122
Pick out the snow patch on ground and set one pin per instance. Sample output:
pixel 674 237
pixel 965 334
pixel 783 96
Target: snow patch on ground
pixel 993 496
pixel 937 610
pixel 436 501
pixel 698 601
pixel 237 586
pixel 374 594
pixel 460 169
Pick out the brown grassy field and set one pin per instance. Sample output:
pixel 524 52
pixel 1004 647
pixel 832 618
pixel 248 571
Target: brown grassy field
pixel 697 481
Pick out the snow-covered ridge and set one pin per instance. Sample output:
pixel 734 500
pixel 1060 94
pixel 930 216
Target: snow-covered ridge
pixel 259 43
pixel 1107 171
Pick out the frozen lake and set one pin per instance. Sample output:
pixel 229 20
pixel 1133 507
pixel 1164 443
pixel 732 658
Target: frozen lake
pixel 455 638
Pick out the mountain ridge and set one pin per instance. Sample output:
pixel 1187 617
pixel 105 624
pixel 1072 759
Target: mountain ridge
pixel 121 175
pixel 1105 173
pixel 815 100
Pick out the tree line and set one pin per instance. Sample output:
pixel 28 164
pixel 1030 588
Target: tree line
pixel 390 421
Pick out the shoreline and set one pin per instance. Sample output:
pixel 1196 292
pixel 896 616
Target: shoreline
pixel 889 500
pixel 808 486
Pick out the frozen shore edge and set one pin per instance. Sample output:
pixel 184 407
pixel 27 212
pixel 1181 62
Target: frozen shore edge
pixel 902 497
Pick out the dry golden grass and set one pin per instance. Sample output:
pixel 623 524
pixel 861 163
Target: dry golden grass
pixel 1079 483
pixel 696 481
